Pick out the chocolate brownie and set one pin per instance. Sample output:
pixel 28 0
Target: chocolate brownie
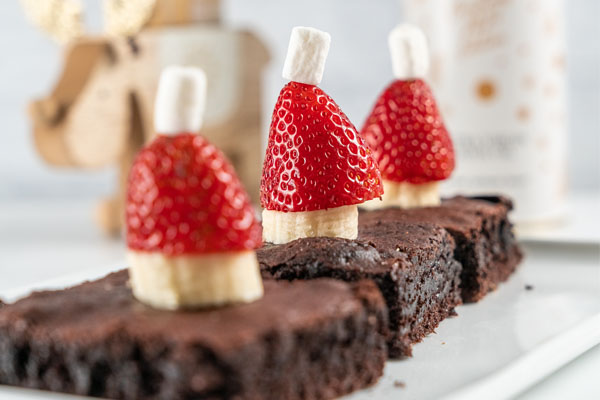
pixel 412 264
pixel 302 340
pixel 485 244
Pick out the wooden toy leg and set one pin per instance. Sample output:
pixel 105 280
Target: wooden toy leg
pixel 108 216
pixel 110 213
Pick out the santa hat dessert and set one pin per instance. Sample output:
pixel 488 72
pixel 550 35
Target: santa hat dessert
pixel 317 168
pixel 405 129
pixel 191 229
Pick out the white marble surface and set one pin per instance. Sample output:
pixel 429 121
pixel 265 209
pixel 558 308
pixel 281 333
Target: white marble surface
pixel 42 241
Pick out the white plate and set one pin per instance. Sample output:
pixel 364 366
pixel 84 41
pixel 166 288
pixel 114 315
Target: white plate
pixel 499 346
pixel 578 224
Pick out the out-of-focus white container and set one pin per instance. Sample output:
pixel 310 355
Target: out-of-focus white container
pixel 498 72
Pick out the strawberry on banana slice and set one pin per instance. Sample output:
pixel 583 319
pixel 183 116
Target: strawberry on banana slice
pixel 405 129
pixel 191 229
pixel 317 167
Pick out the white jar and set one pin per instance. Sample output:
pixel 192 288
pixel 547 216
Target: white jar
pixel 498 72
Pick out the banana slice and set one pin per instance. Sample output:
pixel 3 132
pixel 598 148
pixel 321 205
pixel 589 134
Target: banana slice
pixel 406 195
pixel 282 227
pixel 194 281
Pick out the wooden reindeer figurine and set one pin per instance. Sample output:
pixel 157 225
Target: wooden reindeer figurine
pixel 100 110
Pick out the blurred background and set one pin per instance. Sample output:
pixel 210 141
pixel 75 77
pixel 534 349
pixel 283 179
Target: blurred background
pixel 358 67
pixel 53 206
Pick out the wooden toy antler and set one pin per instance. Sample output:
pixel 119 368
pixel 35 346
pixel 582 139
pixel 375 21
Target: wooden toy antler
pixel 61 19
pixel 127 17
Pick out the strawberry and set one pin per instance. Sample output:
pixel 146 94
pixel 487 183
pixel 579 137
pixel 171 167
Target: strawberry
pixel 315 158
pixel 407 135
pixel 184 197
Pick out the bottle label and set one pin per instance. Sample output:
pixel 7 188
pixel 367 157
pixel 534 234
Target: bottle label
pixel 498 72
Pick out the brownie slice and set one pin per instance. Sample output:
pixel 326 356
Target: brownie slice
pixel 302 340
pixel 412 265
pixel 485 244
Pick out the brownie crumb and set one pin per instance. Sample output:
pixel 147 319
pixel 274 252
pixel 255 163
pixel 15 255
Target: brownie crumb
pixel 528 287
pixel 399 384
pixel 443 342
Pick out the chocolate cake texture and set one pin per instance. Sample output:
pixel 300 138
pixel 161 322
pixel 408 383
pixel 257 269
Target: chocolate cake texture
pixel 412 265
pixel 303 340
pixel 485 243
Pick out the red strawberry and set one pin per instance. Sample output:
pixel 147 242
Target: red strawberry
pixel 184 197
pixel 315 157
pixel 407 135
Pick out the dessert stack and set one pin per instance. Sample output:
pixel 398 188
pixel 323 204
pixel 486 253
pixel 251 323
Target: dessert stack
pixel 414 152
pixel 317 168
pixel 343 289
pixel 191 229
pixel 426 255
pixel 405 129
pixel 191 318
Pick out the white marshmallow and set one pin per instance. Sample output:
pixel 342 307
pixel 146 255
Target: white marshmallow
pixel 306 56
pixel 408 48
pixel 180 100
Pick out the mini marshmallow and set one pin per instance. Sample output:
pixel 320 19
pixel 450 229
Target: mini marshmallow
pixel 180 100
pixel 408 48
pixel 306 56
